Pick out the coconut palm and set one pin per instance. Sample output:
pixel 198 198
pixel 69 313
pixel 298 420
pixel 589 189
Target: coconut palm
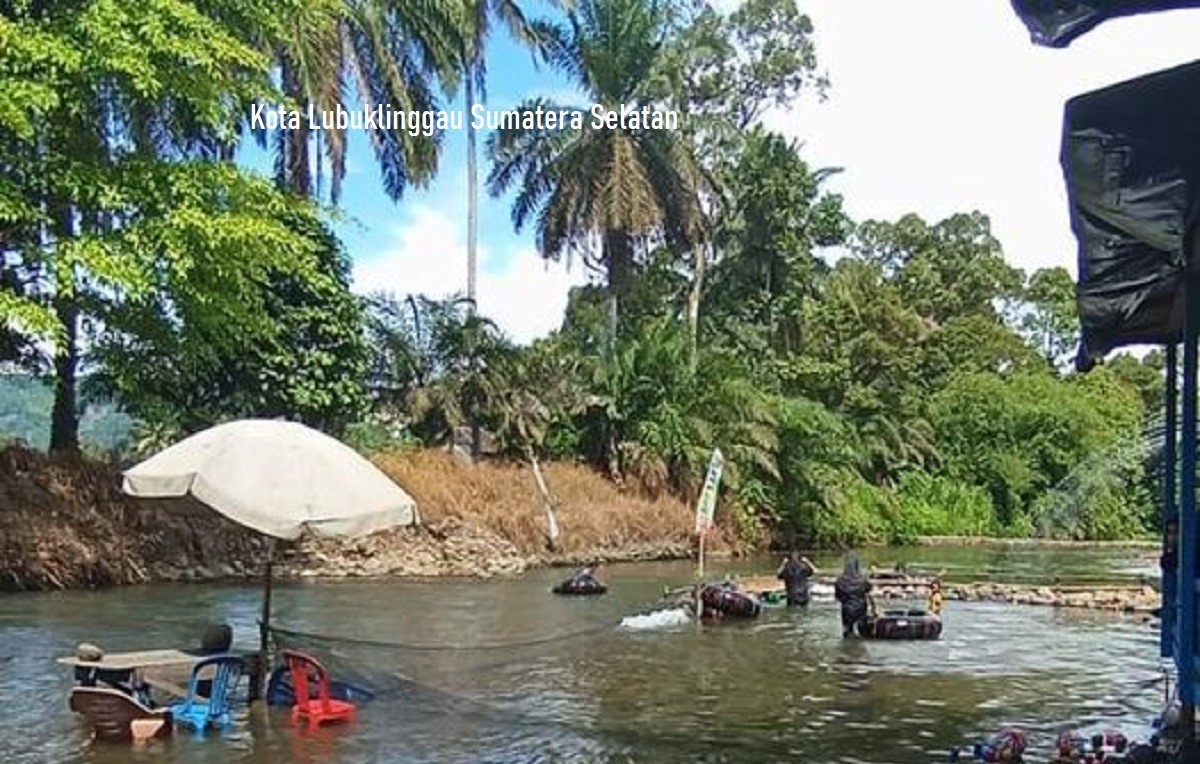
pixel 624 189
pixel 387 52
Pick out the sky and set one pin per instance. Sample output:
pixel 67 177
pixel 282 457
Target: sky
pixel 935 107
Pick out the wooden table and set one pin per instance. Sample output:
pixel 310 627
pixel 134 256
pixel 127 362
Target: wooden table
pixel 163 669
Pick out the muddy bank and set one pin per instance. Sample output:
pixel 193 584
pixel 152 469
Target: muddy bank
pixel 64 523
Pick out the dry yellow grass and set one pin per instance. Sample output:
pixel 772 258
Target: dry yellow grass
pixel 593 513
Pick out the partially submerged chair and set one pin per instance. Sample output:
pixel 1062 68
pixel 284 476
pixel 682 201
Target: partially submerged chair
pixel 114 715
pixel 309 675
pixel 200 712
pixel 281 693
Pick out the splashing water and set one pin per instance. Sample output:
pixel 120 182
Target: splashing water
pixel 658 619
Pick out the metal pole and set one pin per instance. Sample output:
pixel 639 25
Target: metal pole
pixel 1170 513
pixel 1185 657
pixel 264 628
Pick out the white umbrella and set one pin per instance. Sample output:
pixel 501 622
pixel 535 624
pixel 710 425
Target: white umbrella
pixel 279 478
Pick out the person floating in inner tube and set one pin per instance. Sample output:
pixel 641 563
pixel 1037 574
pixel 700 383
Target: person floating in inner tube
pixel 795 572
pixel 585 577
pixel 583 581
pixel 852 589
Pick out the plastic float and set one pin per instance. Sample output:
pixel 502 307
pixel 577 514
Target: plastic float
pixel 724 601
pixel 581 584
pixel 1107 746
pixel 903 624
pixel 1007 745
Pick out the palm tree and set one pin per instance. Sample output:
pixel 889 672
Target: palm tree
pixel 653 417
pixel 388 52
pixel 626 188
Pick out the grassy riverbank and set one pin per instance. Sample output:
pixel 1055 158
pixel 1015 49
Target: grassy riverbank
pixel 64 523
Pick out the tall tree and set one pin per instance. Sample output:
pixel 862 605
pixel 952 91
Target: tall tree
pixel 955 267
pixel 725 71
pixel 387 53
pixel 777 218
pixel 627 187
pixel 1050 318
pixel 110 166
pixel 178 362
pixel 481 16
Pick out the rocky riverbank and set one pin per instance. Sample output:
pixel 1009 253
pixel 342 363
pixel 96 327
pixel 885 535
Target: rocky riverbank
pixel 991 541
pixel 1128 598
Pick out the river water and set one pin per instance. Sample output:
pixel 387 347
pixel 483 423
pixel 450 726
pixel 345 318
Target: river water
pixel 503 671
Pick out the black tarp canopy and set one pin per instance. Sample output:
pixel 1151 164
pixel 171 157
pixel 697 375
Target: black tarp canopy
pixel 1131 158
pixel 1056 23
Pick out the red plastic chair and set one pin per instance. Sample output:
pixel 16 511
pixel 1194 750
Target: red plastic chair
pixel 305 670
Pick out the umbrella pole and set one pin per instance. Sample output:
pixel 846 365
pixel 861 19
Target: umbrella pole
pixel 264 625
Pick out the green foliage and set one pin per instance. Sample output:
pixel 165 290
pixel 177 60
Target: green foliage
pixel 952 268
pixel 125 233
pixel 380 434
pixel 913 386
pixel 777 218
pixel 1020 437
pixel 653 417
pixel 935 505
pixel 299 352
pixel 858 518
pixel 380 53
pixel 624 186
pixel 1051 320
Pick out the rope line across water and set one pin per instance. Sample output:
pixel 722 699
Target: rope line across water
pixel 442 647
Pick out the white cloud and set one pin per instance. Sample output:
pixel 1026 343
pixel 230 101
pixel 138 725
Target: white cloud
pixel 427 254
pixel 945 106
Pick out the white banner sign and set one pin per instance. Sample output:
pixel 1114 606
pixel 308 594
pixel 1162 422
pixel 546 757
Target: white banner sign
pixel 708 497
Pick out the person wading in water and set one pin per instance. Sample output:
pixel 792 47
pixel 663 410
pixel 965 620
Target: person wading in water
pixel 795 572
pixel 852 590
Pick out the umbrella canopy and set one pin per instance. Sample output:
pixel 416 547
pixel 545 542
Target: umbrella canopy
pixel 279 478
pixel 1058 23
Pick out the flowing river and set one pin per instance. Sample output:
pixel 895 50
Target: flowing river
pixel 503 671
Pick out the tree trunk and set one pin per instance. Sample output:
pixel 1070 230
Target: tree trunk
pixel 552 529
pixel 476 437
pixel 693 304
pixel 618 256
pixel 64 424
pixel 297 174
pixel 472 194
pixel 64 421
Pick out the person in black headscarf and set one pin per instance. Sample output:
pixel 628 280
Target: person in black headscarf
pixel 852 589
pixel 795 572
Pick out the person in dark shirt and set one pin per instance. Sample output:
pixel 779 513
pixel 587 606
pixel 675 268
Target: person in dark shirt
pixel 795 572
pixel 852 590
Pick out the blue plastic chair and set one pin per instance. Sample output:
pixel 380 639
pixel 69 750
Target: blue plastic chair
pixel 202 713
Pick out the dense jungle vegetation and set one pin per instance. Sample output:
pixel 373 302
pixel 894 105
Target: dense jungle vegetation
pixel 874 379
